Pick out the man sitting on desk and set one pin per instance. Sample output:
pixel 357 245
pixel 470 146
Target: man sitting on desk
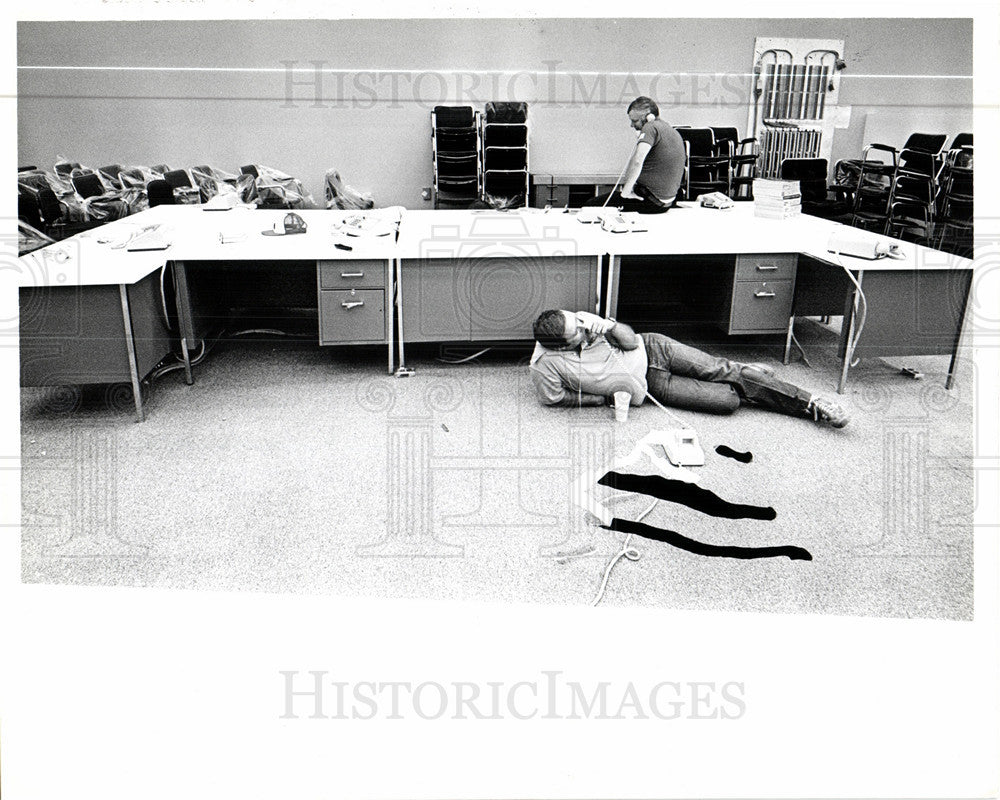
pixel 654 171
pixel 581 359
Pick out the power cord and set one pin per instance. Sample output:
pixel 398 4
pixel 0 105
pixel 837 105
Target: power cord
pixel 463 360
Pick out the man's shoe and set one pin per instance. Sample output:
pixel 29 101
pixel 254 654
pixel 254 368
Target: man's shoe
pixel 823 409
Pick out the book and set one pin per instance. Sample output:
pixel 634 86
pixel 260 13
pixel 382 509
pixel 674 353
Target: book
pixel 763 187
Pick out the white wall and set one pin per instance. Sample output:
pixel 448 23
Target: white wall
pixel 142 103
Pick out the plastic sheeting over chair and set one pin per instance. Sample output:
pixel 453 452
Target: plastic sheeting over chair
pixel 275 189
pixel 340 195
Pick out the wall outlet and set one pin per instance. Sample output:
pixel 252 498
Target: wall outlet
pixel 425 193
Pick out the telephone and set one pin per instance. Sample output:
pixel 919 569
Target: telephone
pixel 681 446
pixel 715 200
pixel 851 243
pixel 622 222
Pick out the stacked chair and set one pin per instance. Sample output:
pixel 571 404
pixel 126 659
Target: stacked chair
pixel 457 180
pixel 954 203
pixel 705 168
pixel 897 196
pixel 504 148
pixel 743 155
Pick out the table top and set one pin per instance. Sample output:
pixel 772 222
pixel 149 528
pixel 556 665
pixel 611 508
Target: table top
pixel 100 255
pixel 524 232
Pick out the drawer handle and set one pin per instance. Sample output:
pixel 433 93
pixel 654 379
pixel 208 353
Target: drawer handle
pixel 352 274
pixel 763 294
pixel 766 267
pixel 353 304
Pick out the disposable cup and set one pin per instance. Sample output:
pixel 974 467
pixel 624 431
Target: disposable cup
pixel 622 400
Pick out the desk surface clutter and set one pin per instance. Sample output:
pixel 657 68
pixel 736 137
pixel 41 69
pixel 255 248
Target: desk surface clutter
pixel 102 255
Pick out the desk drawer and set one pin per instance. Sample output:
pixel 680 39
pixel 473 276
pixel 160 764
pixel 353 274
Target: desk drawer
pixel 351 316
pixel 760 306
pixel 361 274
pixel 763 267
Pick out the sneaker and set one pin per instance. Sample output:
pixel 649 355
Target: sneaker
pixel 823 409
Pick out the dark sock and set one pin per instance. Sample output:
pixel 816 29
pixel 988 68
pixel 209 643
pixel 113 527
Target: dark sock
pixel 728 452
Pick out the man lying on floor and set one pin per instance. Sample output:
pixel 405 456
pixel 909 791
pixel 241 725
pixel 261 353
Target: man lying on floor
pixel 581 359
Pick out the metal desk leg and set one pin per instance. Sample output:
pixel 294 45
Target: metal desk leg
pixel 185 322
pixel 958 336
pixel 402 371
pixel 609 310
pixel 391 305
pixel 788 339
pixel 848 349
pixel 133 367
pixel 951 370
pixel 600 274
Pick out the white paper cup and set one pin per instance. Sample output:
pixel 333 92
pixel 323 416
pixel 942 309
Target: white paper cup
pixel 622 400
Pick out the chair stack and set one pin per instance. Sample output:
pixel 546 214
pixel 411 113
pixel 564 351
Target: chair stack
pixel 953 227
pixel 897 197
pixel 743 155
pixel 705 169
pixel 504 137
pixel 455 156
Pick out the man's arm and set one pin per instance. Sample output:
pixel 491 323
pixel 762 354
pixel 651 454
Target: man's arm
pixel 552 392
pixel 579 399
pixel 634 168
pixel 622 336
pixel 617 333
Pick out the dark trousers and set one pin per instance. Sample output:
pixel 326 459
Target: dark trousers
pixel 649 204
pixel 683 376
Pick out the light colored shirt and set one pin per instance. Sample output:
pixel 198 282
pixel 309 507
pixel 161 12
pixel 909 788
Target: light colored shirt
pixel 597 368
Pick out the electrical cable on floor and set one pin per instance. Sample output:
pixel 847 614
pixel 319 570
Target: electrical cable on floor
pixel 802 352
pixel 463 360
pixel 631 553
pixel 270 332
pixel 179 363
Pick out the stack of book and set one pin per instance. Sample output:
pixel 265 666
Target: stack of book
pixel 774 199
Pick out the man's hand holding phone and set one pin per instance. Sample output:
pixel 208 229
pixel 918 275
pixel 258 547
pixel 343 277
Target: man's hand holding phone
pixel 594 324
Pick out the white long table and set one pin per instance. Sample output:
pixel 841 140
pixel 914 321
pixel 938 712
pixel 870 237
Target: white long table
pixel 484 276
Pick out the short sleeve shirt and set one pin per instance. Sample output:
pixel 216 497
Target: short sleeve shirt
pixel 663 168
pixel 598 368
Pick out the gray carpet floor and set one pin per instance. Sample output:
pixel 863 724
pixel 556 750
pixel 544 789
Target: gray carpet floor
pixel 291 468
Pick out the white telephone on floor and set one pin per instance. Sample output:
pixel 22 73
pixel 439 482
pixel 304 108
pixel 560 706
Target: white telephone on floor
pixel 681 446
